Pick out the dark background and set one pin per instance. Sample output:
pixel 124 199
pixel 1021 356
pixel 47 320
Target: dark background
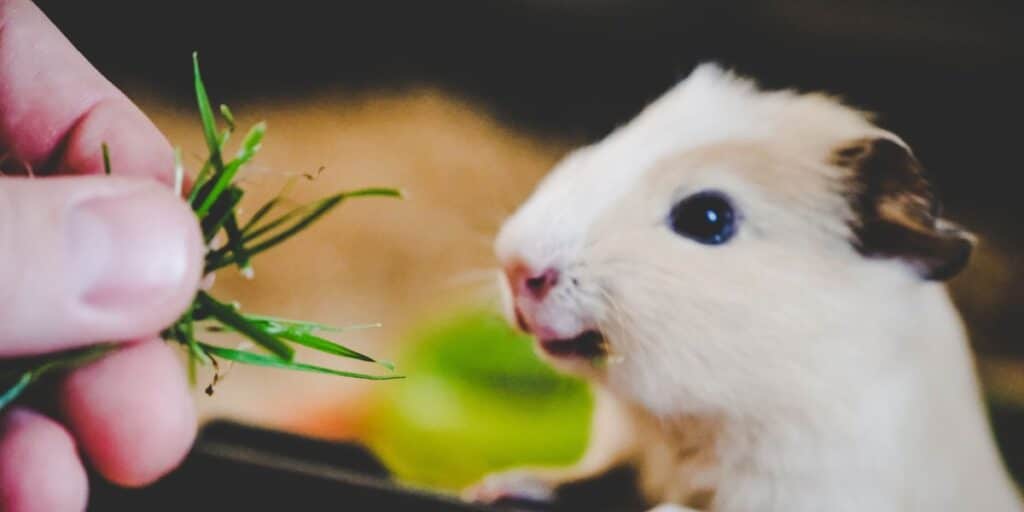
pixel 944 75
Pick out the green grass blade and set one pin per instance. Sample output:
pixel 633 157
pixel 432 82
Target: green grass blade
pixel 220 213
pixel 268 206
pixel 206 173
pixel 106 158
pixel 323 345
pixel 233 319
pixel 179 173
pixel 301 333
pixel 229 118
pixel 53 363
pixel 309 326
pixel 241 356
pixel 206 116
pixel 250 145
pixel 16 390
pixel 237 246
pixel 299 219
pixel 253 232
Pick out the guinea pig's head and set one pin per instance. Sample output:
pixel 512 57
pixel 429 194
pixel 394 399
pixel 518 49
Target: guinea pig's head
pixel 729 248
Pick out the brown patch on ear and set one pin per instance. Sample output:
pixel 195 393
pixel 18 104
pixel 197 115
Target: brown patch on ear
pixel 896 213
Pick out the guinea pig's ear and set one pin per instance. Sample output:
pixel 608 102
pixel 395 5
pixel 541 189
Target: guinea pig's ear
pixel 896 213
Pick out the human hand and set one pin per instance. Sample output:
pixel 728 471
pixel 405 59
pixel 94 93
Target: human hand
pixel 87 258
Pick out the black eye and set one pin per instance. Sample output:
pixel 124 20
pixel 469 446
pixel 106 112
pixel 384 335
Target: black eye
pixel 706 217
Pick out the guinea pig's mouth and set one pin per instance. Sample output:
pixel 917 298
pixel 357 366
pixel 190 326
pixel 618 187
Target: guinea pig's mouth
pixel 588 344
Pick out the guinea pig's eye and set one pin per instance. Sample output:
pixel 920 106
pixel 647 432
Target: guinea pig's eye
pixel 706 217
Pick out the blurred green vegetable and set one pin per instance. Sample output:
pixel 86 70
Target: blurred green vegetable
pixel 477 399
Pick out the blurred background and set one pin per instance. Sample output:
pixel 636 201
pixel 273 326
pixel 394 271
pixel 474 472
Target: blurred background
pixel 465 104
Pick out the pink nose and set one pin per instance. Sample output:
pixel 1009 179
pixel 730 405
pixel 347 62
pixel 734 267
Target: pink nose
pixel 534 284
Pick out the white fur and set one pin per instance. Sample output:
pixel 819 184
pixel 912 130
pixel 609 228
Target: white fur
pixel 832 382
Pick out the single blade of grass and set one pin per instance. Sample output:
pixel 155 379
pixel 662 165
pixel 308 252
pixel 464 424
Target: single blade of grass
pixel 53 363
pixel 184 332
pixel 229 118
pixel 206 116
pixel 220 213
pixel 179 173
pixel 16 390
pixel 329 347
pixel 237 246
pixel 268 206
pixel 106 158
pixel 310 326
pixel 233 319
pixel 251 358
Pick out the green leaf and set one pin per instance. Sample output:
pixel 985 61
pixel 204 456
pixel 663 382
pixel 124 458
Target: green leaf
pixel 184 331
pixel 206 173
pixel 206 116
pixel 309 326
pixel 250 145
pixel 229 118
pixel 299 219
pixel 237 246
pixel 179 173
pixel 233 319
pixel 106 158
pixel 323 345
pixel 269 205
pixel 53 363
pixel 15 391
pixel 252 231
pixel 220 213
pixel 241 356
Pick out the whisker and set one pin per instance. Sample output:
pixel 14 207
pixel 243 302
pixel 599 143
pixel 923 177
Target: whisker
pixel 474 276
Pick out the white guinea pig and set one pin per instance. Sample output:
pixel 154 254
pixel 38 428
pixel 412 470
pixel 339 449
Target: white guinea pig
pixel 752 280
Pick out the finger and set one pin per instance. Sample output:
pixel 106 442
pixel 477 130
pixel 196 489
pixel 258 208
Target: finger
pixel 91 259
pixel 131 412
pixel 39 467
pixel 56 109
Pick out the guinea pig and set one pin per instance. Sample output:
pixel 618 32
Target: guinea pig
pixel 753 282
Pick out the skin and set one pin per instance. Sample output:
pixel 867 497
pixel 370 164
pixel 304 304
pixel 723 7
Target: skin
pixel 87 258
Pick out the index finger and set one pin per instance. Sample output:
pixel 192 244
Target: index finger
pixel 56 110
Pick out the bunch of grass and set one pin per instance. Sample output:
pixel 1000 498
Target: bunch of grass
pixel 215 196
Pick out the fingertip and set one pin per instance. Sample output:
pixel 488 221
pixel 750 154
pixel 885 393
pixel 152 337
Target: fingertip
pixel 114 258
pixel 39 467
pixel 132 413
pixel 147 274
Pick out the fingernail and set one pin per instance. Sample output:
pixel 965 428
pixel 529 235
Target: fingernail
pixel 128 249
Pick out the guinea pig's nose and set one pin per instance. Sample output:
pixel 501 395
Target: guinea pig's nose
pixel 540 284
pixel 528 282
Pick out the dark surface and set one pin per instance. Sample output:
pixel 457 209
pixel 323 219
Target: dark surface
pixel 234 467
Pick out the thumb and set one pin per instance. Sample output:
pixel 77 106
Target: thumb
pixel 91 259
